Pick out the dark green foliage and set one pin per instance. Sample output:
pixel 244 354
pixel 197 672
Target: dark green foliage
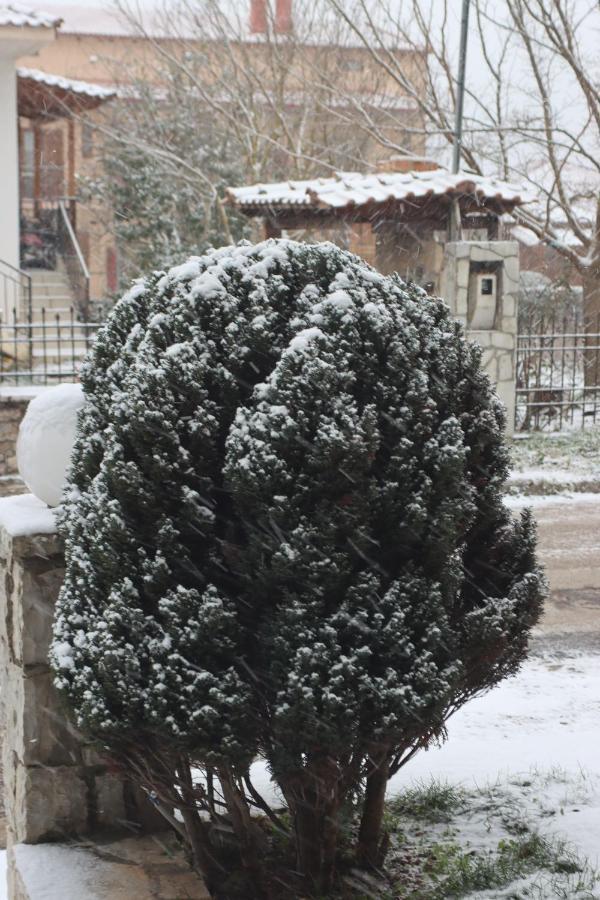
pixel 286 531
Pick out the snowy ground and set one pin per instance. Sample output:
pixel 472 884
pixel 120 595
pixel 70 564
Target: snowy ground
pixel 557 460
pixel 543 727
pixel 527 753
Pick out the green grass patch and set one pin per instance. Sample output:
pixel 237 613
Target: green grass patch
pixel 571 450
pixel 432 802
pixel 435 854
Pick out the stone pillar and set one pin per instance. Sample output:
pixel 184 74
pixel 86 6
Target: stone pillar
pixel 464 263
pixel 56 785
pixel 9 163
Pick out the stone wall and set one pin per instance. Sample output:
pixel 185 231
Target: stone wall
pixel 12 410
pixel 56 784
pixel 13 404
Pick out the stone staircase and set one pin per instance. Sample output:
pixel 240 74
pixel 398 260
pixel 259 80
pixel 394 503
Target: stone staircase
pixel 50 290
pixel 60 341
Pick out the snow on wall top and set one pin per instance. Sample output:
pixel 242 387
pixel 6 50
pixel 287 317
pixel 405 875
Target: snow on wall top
pixel 355 189
pixel 25 515
pixel 66 84
pixel 19 17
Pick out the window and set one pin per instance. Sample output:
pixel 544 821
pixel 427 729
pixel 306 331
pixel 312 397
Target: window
pixel 487 286
pixel 351 64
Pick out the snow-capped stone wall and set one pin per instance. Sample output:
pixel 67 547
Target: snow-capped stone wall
pixel 55 784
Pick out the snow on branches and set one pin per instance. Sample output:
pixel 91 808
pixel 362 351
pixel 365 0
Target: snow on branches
pixel 285 532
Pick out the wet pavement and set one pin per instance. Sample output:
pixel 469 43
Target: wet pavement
pixel 569 548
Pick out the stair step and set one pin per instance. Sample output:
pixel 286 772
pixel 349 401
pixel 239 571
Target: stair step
pixel 50 290
pixel 52 354
pixel 63 303
pixel 51 311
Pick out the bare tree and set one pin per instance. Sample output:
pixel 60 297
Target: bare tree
pixel 533 110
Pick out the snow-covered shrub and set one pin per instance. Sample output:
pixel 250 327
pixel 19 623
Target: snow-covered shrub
pixel 285 535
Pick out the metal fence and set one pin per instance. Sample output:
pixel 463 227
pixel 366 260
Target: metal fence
pixel 46 350
pixel 558 374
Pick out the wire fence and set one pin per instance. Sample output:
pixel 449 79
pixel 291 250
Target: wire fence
pixel 558 374
pixel 48 349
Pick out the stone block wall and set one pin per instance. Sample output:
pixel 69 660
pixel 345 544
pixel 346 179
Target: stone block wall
pixel 13 405
pixel 12 410
pixel 56 785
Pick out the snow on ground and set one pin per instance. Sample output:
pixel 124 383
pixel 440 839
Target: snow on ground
pixel 544 725
pixel 536 738
pixel 520 501
pixel 556 456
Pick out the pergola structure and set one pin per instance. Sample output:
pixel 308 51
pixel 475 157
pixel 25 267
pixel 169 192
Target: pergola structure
pixel 397 219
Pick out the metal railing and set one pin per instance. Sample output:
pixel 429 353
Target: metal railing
pixel 45 350
pixel 72 255
pixel 49 233
pixel 15 291
pixel 558 374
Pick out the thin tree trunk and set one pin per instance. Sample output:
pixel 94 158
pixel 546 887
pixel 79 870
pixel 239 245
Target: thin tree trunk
pixel 315 800
pixel 243 827
pixel 203 858
pixel 590 277
pixel 369 835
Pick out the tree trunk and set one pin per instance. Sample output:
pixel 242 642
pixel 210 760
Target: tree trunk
pixel 315 802
pixel 203 859
pixel 590 276
pixel 369 849
pixel 243 827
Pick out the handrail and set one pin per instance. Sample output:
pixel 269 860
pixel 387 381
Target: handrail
pixel 74 241
pixel 81 273
pixel 21 289
pixel 16 269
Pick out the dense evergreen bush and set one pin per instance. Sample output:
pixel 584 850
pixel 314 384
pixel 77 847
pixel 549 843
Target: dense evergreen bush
pixel 285 536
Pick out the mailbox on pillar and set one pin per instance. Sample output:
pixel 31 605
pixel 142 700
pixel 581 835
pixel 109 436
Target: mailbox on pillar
pixel 483 295
pixel 480 282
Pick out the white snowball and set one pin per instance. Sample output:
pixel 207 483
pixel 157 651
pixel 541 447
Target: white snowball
pixel 46 438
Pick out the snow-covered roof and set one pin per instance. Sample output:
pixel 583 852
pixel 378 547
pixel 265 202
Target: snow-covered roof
pixel 17 17
pixel 348 189
pixel 85 88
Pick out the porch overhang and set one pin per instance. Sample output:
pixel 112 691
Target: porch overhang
pixel 42 96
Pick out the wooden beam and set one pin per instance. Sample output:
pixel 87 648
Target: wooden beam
pixel 71 185
pixel 37 166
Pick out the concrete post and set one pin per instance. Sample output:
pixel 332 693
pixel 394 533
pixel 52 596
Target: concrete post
pixel 9 164
pixel 21 34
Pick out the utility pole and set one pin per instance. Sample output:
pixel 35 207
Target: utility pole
pixel 454 224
